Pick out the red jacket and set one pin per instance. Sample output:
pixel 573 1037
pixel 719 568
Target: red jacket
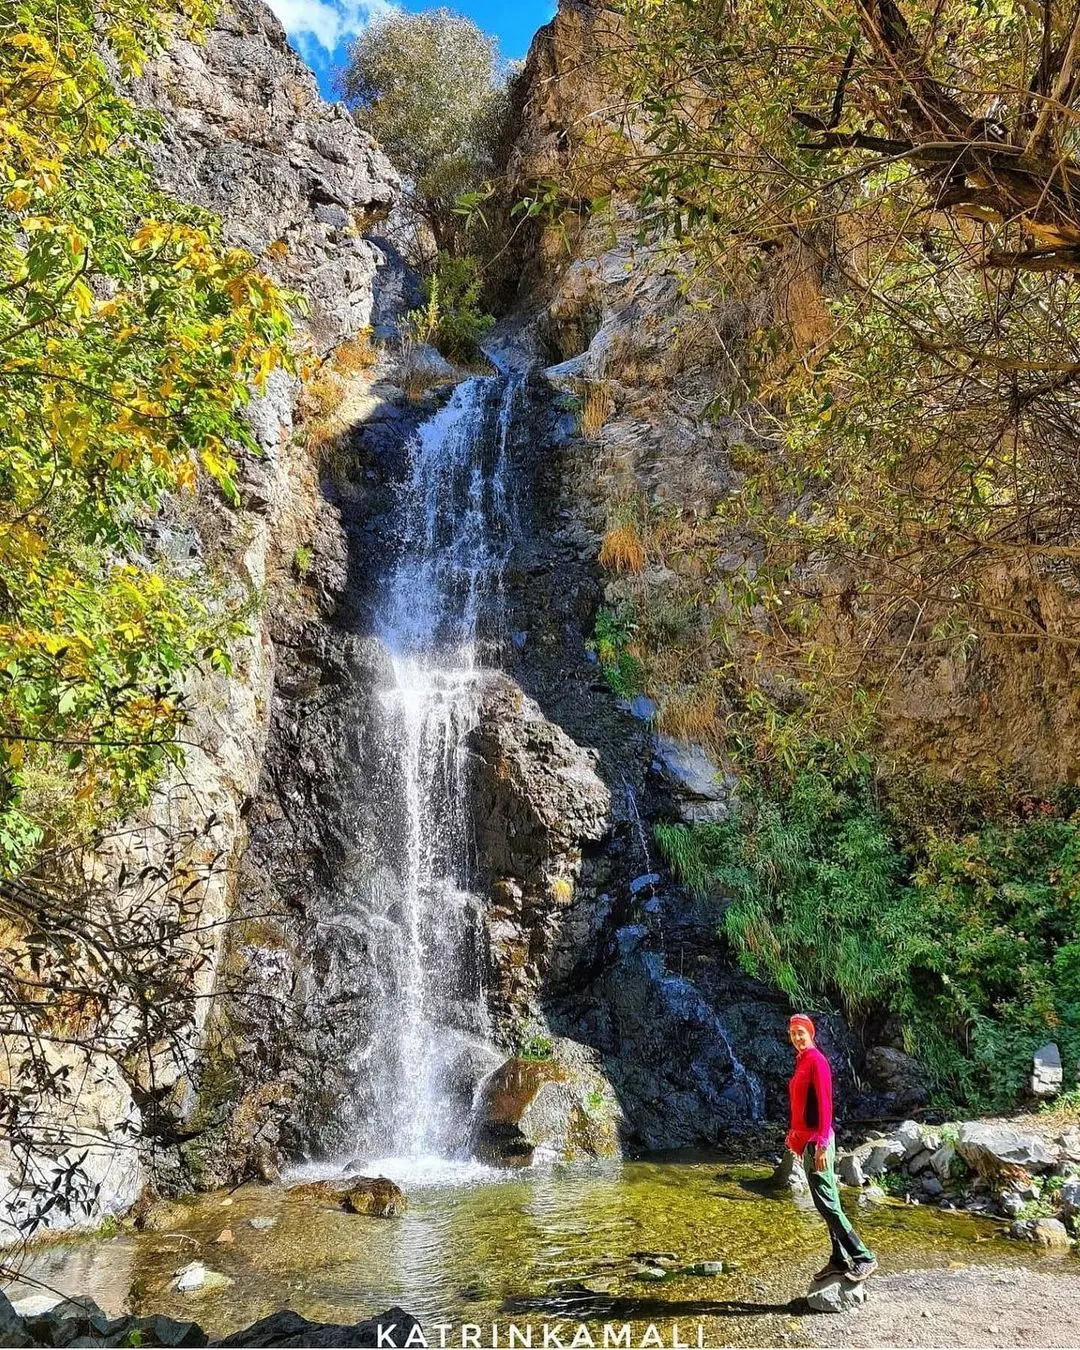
pixel 810 1091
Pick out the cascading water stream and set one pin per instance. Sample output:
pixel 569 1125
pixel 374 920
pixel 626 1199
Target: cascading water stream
pixel 440 616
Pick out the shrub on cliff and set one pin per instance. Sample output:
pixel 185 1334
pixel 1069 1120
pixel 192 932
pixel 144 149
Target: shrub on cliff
pixel 967 935
pixel 130 337
pixel 430 88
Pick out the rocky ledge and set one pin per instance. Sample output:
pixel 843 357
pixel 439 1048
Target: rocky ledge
pixel 1009 1171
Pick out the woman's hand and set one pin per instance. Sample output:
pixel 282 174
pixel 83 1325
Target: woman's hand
pixel 821 1159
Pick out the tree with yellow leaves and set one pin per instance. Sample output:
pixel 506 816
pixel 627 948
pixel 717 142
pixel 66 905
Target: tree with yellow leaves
pixel 130 338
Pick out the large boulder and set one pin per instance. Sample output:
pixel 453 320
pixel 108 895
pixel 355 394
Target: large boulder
pixel 548 1110
pixel 536 800
pixel 1047 1075
pixel 987 1147
pixel 703 793
pixel 899 1075
pixel 375 1195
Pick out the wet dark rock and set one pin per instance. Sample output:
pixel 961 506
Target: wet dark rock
pixel 81 1322
pixel 899 1075
pixel 378 1196
pixel 703 793
pixel 13 1331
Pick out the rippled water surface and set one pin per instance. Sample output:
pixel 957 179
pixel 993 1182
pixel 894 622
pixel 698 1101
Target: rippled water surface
pixel 524 1247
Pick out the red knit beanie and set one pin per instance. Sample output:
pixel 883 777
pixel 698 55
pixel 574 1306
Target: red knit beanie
pixel 801 1020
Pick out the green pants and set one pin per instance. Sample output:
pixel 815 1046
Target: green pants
pixel 847 1246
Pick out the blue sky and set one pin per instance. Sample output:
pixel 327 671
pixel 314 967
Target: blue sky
pixel 321 30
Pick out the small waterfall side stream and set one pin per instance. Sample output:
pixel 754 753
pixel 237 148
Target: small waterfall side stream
pixel 440 619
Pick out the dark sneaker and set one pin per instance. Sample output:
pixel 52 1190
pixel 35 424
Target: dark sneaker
pixel 861 1270
pixel 827 1272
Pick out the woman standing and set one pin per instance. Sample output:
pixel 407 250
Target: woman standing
pixel 811 1140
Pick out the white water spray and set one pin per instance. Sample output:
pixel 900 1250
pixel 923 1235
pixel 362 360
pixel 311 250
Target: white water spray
pixel 441 615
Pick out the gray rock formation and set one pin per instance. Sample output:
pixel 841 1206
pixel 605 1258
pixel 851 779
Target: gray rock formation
pixel 247 134
pixel 836 1295
pixel 703 793
pixel 537 798
pixel 986 1146
pixel 1047 1075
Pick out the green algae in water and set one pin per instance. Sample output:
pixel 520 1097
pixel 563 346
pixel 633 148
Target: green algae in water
pixel 528 1247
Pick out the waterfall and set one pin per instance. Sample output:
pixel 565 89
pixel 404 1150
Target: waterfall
pixel 440 617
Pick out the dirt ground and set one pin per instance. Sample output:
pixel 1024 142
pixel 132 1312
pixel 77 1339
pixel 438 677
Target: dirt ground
pixel 985 1306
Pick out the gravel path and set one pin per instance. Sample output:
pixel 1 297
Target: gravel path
pixel 976 1306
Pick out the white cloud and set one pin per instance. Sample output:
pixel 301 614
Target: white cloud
pixel 327 22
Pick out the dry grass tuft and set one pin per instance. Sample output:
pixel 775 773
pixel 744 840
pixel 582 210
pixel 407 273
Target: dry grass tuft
pixel 690 714
pixel 596 408
pixel 355 355
pixel 623 549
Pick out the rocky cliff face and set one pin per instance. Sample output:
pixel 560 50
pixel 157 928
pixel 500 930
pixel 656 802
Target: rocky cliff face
pixel 618 325
pixel 245 134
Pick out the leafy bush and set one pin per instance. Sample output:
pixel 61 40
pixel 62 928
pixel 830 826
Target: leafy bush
pixel 431 89
pixel 451 318
pixel 611 641
pixel 536 1043
pixel 969 938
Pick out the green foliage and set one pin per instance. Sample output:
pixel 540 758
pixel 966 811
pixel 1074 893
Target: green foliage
pixel 302 560
pixel 129 337
pixel 536 1043
pixel 966 937
pixel 429 87
pixel 612 641
pixel 451 318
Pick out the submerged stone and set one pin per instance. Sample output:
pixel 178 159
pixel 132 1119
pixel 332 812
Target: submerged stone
pixel 375 1195
pixel 378 1196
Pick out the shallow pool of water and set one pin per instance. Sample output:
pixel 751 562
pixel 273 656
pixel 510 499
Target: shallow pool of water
pixel 526 1247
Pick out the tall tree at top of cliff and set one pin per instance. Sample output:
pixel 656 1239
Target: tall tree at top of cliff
pixel 431 89
pixel 129 339
pixel 900 180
